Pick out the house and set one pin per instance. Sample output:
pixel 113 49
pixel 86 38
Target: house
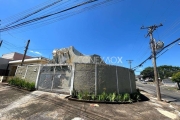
pixel 71 70
pixel 10 62
pixel 15 56
pixel 3 67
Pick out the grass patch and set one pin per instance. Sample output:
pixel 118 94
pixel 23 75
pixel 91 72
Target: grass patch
pixel 21 83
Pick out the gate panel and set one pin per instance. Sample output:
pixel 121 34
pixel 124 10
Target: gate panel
pixel 45 78
pixel 55 79
pixel 62 79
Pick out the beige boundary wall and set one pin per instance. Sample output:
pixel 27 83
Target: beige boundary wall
pixel 96 78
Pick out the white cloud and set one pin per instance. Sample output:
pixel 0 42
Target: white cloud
pixel 36 52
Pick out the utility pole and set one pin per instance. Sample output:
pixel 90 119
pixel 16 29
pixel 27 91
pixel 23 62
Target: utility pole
pixel 152 44
pixel 25 51
pixel 1 42
pixel 129 61
pixel 0 35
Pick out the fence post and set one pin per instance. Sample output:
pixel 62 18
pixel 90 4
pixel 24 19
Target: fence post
pixel 117 80
pixel 130 80
pixel 72 79
pixel 25 72
pixel 95 79
pixel 37 78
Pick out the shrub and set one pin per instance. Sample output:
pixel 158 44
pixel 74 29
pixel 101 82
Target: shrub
pixel 80 95
pixel 119 98
pixel 86 95
pixel 93 96
pixel 126 97
pixel 21 83
pixel 103 96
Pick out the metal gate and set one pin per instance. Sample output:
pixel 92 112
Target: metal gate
pixel 55 78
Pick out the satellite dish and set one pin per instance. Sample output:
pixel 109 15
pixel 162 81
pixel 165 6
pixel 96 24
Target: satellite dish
pixel 159 45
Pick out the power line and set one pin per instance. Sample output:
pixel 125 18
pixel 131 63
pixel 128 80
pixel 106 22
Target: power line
pixel 28 15
pixel 157 53
pixel 53 14
pixel 45 16
pixel 28 11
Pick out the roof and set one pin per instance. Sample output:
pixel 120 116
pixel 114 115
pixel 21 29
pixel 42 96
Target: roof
pixel 31 60
pixel 15 56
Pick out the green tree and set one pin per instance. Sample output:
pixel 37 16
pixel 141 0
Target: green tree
pixel 148 72
pixel 164 71
pixel 176 78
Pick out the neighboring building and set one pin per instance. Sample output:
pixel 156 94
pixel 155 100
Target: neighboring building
pixel 3 67
pixel 15 56
pixel 139 77
pixel 32 61
pixel 9 62
pixel 71 55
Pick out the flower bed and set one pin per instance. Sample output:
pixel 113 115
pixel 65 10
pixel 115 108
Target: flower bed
pixel 105 98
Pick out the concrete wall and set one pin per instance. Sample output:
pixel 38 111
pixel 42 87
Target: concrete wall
pixel 94 78
pixel 20 71
pixel 84 77
pixel 109 78
pixel 29 73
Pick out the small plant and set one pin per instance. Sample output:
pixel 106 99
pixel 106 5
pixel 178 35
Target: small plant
pixel 111 97
pixel 93 97
pixel 103 96
pixel 86 95
pixel 80 95
pixel 119 98
pixel 126 97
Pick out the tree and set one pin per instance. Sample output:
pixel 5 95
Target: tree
pixel 176 78
pixel 164 71
pixel 148 72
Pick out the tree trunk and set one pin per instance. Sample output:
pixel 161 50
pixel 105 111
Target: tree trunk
pixel 178 85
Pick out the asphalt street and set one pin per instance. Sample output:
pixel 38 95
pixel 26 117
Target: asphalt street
pixel 167 95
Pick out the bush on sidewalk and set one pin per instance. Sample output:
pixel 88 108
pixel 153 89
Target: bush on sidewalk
pixel 21 83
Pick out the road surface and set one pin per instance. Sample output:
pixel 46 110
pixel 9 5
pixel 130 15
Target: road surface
pixel 167 95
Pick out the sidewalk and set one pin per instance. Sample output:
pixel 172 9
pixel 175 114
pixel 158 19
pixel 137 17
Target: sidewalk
pixel 20 104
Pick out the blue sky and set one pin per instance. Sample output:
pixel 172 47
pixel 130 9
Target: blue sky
pixel 109 30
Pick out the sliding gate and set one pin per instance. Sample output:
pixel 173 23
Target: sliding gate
pixel 55 78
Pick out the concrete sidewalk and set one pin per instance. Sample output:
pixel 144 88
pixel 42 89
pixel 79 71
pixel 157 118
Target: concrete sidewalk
pixel 20 104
